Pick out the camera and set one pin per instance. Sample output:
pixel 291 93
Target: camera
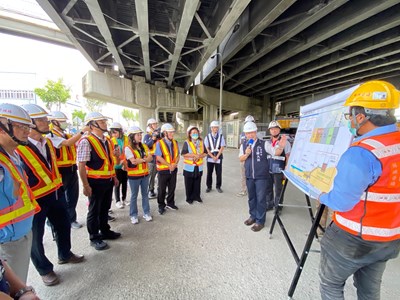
pixel 157 134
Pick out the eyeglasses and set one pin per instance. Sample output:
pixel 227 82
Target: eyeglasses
pixel 21 126
pixel 347 116
pixel 44 120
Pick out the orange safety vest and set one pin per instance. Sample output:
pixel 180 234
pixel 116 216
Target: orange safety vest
pixel 166 155
pixel 106 171
pixel 25 204
pixel 49 180
pixel 66 156
pixel 194 151
pixel 122 157
pixel 377 216
pixel 141 169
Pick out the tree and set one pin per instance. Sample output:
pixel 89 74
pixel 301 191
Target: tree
pixel 80 114
pixel 54 92
pixel 129 115
pixel 94 105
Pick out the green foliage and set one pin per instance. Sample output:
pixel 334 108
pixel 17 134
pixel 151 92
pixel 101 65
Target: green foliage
pixel 54 92
pixel 80 114
pixel 94 105
pixel 129 115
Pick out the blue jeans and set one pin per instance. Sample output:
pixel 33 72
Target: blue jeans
pixel 256 189
pixel 343 255
pixel 143 183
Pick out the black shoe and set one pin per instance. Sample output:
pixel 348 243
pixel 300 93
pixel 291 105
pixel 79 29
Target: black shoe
pixel 152 195
pixel 172 207
pixel 219 190
pixel 99 245
pixel 208 190
pixel 110 235
pixel 111 218
pixel 270 208
pixel 190 202
pixel 161 211
pixel 199 200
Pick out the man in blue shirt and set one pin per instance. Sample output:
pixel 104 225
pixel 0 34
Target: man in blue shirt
pixel 365 232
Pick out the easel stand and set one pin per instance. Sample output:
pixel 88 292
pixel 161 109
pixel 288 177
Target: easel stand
pixel 300 261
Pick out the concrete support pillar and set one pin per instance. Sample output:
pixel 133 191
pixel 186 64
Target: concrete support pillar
pixel 210 113
pixel 266 109
pixel 144 115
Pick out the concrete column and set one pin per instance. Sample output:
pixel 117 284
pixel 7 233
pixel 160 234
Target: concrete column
pixel 144 115
pixel 210 113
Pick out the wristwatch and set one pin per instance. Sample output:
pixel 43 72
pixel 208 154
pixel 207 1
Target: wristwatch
pixel 23 291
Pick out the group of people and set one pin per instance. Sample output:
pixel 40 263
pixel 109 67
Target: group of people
pixel 38 177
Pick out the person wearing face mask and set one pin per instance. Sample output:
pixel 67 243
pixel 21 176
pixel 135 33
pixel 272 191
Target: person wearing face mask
pixel 167 156
pixel 40 165
pixel 193 152
pixel 365 231
pixel 96 158
pixel 65 145
pixel 138 157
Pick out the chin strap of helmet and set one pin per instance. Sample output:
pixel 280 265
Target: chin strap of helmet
pixel 10 132
pixel 94 124
pixel 57 124
pixel 36 128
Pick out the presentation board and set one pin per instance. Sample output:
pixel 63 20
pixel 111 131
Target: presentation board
pixel 321 138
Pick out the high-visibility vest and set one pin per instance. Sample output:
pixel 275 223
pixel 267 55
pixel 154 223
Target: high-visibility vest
pixel 192 149
pixel 141 169
pixel 122 157
pixel 48 180
pixel 25 204
pixel 66 156
pixel 166 155
pixel 377 216
pixel 106 170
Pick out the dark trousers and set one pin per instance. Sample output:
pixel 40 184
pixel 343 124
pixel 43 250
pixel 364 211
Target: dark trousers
pixel 257 200
pixel 122 177
pixel 71 187
pixel 53 207
pixel 218 172
pixel 278 186
pixel 99 204
pixel 192 185
pixel 153 173
pixel 269 192
pixel 166 180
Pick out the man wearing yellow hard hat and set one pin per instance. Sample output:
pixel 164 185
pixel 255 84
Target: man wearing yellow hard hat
pixel 365 231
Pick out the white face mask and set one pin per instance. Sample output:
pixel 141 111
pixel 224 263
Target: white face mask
pixel 63 125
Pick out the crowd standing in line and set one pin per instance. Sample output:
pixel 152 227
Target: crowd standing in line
pixel 215 144
pixel 138 157
pixel 365 232
pixel 119 141
pixel 40 165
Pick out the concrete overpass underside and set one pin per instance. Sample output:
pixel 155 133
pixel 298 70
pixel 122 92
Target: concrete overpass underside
pixel 272 51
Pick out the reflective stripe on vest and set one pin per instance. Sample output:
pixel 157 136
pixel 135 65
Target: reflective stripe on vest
pixel 66 156
pixel 166 155
pixel 139 169
pixel 48 180
pixel 107 169
pixel 193 150
pixel 25 204
pixel 376 216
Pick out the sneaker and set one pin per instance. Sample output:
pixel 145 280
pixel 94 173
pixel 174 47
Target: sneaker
pixel 134 220
pixel 76 225
pixel 111 218
pixel 120 204
pixel 126 203
pixel 161 211
pixel 219 190
pixel 241 194
pixel 208 190
pixel 199 200
pixel 99 245
pixel 148 218
pixel 152 195
pixel 172 207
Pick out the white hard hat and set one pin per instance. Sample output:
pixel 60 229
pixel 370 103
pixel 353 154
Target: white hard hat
pixel 273 124
pixel 116 125
pixel 35 111
pixel 190 128
pixel 167 127
pixel 214 124
pixel 151 121
pixel 250 127
pixel 134 129
pixel 57 115
pixel 94 116
pixel 249 118
pixel 15 113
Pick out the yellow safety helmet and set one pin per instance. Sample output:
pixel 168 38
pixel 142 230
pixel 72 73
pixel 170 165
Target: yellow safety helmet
pixel 376 94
